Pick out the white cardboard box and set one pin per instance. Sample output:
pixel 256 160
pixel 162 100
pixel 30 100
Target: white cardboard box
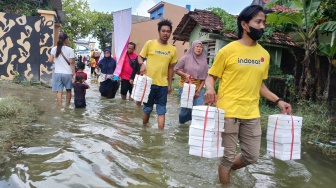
pixel 284 155
pixel 140 93
pixel 212 112
pixel 285 121
pixel 139 96
pixel 211 123
pixel 221 128
pixel 207 153
pixel 145 99
pixel 281 148
pixel 142 79
pixel 209 142
pixel 284 139
pixel 141 88
pixel 282 130
pixel 186 91
pixel 187 104
pixel 199 133
pixel 140 82
pixel 187 87
pixel 187 96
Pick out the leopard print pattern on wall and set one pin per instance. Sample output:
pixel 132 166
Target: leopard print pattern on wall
pixel 25 43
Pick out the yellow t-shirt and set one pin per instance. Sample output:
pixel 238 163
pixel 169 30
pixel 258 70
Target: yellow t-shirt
pixel 241 70
pixel 92 62
pixel 158 59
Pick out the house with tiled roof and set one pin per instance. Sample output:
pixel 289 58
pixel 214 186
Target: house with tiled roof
pixel 208 27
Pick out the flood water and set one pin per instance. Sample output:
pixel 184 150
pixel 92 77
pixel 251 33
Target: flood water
pixel 105 145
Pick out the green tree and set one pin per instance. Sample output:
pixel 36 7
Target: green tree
pixel 78 19
pixel 24 7
pixel 328 9
pixel 102 25
pixel 305 19
pixel 329 51
pixel 228 20
pixel 230 24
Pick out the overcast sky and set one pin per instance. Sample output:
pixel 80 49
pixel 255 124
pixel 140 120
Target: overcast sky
pixel 140 7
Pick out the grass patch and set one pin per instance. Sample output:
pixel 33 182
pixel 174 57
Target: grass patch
pixel 317 124
pixel 16 111
pixel 15 114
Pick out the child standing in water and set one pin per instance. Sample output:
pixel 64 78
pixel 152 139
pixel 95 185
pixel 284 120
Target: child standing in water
pixel 81 67
pixel 79 88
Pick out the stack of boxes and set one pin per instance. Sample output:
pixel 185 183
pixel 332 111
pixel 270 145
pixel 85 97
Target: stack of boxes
pixel 205 138
pixel 187 96
pixel 284 136
pixel 141 88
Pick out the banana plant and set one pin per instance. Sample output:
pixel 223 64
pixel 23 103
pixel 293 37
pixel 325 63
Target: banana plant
pixel 305 18
pixel 329 51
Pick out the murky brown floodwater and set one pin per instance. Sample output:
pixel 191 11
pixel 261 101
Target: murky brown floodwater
pixel 105 145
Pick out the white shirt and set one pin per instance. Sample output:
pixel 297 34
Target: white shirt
pixel 61 66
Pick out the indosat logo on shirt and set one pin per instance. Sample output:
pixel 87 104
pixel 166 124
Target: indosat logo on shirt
pixel 247 61
pixel 162 53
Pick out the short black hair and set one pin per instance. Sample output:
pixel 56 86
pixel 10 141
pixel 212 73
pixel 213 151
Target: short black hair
pixel 165 22
pixel 81 65
pixel 246 15
pixel 79 77
pixel 132 43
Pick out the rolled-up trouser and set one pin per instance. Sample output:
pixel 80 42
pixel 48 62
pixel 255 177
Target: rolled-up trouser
pixel 248 132
pixel 157 96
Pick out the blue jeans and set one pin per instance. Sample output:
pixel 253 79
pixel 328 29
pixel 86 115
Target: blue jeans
pixel 158 96
pixel 185 113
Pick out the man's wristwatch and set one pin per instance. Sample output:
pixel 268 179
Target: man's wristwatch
pixel 277 101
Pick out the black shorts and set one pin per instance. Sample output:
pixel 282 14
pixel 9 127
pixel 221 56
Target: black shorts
pixel 126 86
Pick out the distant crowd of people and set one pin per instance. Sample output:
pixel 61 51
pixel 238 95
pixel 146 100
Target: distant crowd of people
pixel 240 83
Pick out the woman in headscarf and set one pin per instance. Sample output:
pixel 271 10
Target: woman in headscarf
pixel 192 67
pixel 64 59
pixel 108 86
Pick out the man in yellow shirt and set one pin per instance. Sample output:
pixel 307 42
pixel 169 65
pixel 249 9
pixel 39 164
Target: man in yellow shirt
pixel 242 66
pixel 160 60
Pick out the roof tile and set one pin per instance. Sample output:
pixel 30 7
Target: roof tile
pixel 212 23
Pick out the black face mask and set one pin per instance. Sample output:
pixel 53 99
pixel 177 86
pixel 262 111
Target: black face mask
pixel 255 34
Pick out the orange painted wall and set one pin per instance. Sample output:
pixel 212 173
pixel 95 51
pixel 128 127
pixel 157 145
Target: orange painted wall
pixel 148 30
